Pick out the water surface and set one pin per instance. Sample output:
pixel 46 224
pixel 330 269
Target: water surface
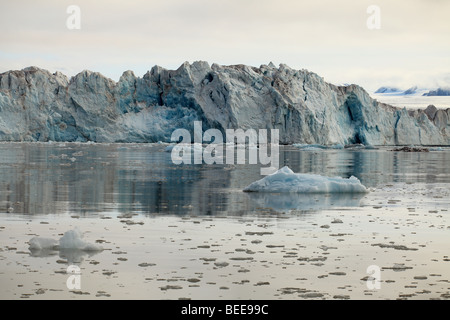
pixel 190 232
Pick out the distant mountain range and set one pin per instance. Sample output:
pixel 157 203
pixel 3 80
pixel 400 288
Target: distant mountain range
pixel 439 92
pixel 388 90
pixel 445 91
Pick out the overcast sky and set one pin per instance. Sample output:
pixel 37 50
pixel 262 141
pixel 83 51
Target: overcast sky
pixel 328 37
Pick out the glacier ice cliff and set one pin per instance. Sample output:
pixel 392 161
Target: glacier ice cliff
pixel 36 105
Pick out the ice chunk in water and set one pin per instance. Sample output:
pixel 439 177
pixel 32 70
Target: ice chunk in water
pixel 285 180
pixel 40 243
pixel 71 240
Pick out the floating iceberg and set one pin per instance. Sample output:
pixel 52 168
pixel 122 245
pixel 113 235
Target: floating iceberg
pixel 285 180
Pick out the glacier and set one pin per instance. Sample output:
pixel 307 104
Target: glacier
pixel 37 105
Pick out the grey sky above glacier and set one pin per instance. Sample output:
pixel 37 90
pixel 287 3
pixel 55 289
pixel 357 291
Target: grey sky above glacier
pixel 327 37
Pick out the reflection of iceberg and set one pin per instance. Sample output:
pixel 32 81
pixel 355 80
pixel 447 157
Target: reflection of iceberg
pixel 285 180
pixel 71 255
pixel 70 246
pixel 42 253
pixel 75 255
pixel 290 201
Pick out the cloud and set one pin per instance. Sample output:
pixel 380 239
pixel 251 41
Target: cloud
pixel 328 37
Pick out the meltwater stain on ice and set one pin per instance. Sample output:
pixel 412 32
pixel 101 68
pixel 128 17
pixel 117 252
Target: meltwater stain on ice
pixel 70 246
pixel 286 181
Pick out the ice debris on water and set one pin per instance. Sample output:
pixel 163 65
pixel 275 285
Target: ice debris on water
pixel 315 147
pixel 184 147
pixel 285 180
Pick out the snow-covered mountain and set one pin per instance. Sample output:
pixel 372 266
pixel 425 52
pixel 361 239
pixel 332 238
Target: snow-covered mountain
pixel 438 92
pixel 36 105
pixel 394 91
pixel 414 90
pixel 411 90
pixel 388 90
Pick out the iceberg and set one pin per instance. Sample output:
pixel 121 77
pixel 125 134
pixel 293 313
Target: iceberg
pixel 286 181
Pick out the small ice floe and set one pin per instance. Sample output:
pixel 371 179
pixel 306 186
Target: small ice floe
pixel 412 149
pixel 39 243
pixel 317 147
pixel 73 239
pixel 358 146
pixel 248 146
pixel 169 147
pixel 309 147
pixel 184 146
pixel 285 180
pixel 71 246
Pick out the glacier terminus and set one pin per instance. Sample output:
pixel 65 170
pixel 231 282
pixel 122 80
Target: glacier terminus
pixel 37 105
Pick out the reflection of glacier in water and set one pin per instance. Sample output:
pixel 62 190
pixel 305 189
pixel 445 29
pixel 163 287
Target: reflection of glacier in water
pixel 94 179
pixel 305 202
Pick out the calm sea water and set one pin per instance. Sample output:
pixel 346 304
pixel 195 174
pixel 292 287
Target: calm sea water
pixel 190 232
pixel 90 179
